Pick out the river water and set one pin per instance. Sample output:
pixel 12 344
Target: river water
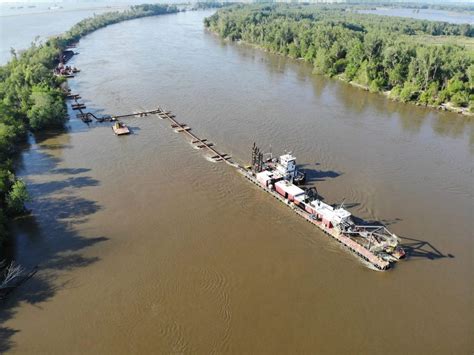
pixel 142 245
pixel 19 27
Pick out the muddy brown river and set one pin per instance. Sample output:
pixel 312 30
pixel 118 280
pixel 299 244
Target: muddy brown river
pixel 144 246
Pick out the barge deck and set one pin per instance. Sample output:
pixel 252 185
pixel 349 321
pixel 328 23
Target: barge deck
pixel 350 244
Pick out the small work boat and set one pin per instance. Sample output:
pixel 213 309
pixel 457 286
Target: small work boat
pixel 120 128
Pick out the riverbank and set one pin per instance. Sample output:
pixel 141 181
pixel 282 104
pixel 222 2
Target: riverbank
pixel 387 93
pixel 416 61
pixel 443 107
pixel 32 99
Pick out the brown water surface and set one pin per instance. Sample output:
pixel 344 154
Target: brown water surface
pixel 145 246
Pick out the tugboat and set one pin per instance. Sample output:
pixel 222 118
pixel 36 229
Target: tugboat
pixel 120 128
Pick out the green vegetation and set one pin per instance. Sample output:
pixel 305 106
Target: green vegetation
pixel 203 5
pixel 17 197
pixel 461 6
pixel 461 41
pixel 31 98
pixel 455 7
pixel 383 54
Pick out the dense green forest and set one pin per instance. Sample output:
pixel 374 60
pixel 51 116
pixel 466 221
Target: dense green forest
pixel 455 7
pixel 459 6
pixel 383 54
pixel 203 5
pixel 31 98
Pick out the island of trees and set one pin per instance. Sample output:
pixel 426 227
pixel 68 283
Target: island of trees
pixel 409 60
pixel 32 98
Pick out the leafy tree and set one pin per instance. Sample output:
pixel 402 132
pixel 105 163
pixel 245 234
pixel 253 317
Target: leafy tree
pixel 48 108
pixel 460 99
pixel 429 96
pixel 409 92
pixel 455 85
pixel 17 197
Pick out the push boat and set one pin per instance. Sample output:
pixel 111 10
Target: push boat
pixel 373 244
pixel 120 128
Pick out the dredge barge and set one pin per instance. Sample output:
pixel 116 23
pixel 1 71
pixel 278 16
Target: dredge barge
pixel 374 244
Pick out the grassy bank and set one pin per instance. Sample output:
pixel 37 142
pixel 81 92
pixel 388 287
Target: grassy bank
pixel 31 99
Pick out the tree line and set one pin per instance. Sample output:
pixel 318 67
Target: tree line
pixel 383 54
pixel 205 5
pixel 456 7
pixel 31 98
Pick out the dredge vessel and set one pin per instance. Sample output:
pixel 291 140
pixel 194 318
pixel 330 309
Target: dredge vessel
pixel 374 244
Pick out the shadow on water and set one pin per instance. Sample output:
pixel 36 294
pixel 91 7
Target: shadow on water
pixel 41 137
pixel 53 186
pixel 319 175
pixel 38 163
pixel 382 222
pixel 444 125
pixel 416 248
pixel 47 240
pixel 314 175
pixel 56 146
pixel 69 171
